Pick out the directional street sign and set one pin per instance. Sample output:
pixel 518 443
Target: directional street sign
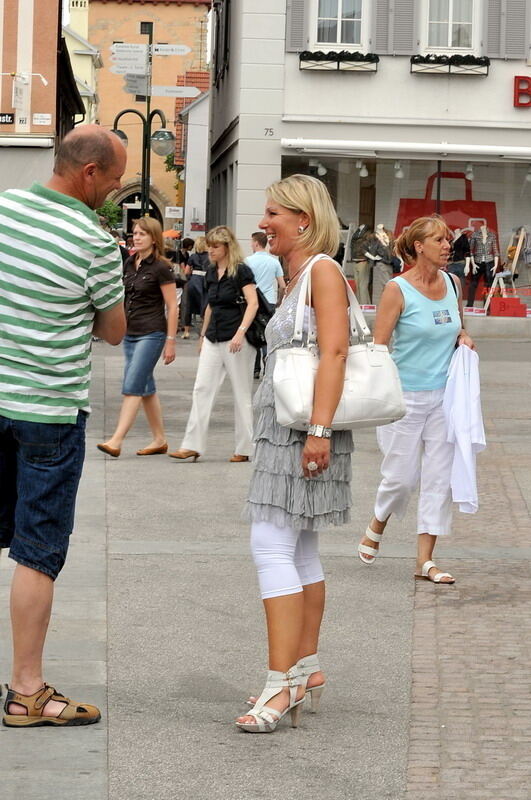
pixel 171 49
pixel 129 47
pixel 135 84
pixel 174 91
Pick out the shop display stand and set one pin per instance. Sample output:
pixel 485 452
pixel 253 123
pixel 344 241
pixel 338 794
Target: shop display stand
pixel 499 281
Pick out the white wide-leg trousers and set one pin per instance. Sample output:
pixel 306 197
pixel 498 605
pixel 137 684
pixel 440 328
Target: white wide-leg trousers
pixel 415 448
pixel 215 362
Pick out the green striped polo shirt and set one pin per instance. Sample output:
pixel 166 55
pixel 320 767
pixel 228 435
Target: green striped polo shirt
pixel 57 268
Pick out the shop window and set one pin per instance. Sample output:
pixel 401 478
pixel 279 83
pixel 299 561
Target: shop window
pixel 339 22
pixel 450 23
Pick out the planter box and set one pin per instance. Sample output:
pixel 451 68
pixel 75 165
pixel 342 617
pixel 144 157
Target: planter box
pixel 322 65
pixel 358 66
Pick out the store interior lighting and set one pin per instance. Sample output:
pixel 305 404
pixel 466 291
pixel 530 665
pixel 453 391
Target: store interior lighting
pixel 319 166
pixel 399 172
pixel 362 168
pixel 528 174
pixel 469 172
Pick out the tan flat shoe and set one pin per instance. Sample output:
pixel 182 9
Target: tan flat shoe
pixel 153 451
pixel 184 454
pixel 236 458
pixel 110 451
pixel 73 713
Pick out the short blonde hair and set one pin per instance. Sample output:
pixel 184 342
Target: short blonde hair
pixel 303 193
pixel 200 245
pixel 223 235
pixel 417 232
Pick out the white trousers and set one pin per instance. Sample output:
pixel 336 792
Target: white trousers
pixel 215 362
pixel 285 559
pixel 415 448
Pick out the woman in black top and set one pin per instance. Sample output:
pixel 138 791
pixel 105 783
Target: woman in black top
pixel 196 268
pixel 151 313
pixel 224 350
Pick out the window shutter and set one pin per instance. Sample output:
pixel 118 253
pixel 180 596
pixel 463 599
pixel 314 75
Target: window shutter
pixel 296 26
pixel 394 27
pixel 506 28
pixel 380 27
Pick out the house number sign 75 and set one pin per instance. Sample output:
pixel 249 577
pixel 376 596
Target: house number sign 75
pixel 269 132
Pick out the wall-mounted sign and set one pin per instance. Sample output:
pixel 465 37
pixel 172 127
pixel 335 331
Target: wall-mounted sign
pixel 42 119
pixel 173 212
pixel 6 118
pixel 522 91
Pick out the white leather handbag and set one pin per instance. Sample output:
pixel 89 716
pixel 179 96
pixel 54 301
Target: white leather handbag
pixel 372 394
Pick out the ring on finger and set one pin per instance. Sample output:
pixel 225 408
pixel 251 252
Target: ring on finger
pixel 312 466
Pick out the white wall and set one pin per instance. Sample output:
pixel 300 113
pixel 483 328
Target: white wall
pixel 196 166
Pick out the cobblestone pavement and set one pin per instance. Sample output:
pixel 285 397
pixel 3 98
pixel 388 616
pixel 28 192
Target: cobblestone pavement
pixel 470 723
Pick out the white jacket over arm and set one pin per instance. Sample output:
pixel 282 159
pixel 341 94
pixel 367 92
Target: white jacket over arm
pixel 462 409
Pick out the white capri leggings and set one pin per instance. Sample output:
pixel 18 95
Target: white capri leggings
pixel 286 560
pixel 415 448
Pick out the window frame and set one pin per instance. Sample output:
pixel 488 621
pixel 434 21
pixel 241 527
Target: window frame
pixel 475 48
pixel 326 47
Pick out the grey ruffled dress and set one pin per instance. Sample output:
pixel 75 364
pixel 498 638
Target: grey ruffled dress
pixel 279 492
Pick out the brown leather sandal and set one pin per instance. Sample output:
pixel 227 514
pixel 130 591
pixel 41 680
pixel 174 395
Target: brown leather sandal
pixel 72 713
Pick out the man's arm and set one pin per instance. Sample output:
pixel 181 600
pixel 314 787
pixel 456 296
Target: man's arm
pixel 110 325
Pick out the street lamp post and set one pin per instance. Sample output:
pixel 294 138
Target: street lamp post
pixel 162 142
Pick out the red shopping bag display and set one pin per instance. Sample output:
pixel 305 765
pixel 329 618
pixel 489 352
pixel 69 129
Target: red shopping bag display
pixel 465 213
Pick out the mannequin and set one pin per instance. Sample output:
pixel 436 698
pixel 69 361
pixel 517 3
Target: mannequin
pixel 459 264
pixel 485 257
pixel 380 252
pixel 361 269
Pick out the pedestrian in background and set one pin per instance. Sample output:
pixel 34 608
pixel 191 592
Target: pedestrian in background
pixel 423 308
pixel 301 481
pixel 61 281
pixel 151 310
pixel 198 262
pixel 223 348
pixel 269 278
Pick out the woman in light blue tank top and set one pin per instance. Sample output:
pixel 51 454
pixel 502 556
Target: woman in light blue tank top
pixel 422 312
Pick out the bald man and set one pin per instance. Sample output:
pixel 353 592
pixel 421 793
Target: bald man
pixel 61 283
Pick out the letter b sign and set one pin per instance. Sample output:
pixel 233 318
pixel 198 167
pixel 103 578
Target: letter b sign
pixel 522 91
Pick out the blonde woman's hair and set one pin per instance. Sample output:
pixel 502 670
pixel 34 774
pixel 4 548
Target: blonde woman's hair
pixel 152 226
pixel 223 235
pixel 417 232
pixel 303 193
pixel 200 245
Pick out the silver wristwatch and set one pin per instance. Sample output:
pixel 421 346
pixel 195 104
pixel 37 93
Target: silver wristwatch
pixel 320 431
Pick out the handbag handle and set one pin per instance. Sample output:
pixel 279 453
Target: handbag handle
pixel 358 327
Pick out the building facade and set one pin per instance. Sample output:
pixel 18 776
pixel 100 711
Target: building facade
pixel 401 108
pixel 182 22
pixel 38 100
pixel 195 119
pixel 84 57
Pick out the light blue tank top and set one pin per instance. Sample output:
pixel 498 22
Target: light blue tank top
pixel 425 337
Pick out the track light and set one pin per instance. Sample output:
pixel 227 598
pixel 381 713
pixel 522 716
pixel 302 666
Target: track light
pixel 469 172
pixel 399 172
pixel 528 174
pixel 319 166
pixel 362 168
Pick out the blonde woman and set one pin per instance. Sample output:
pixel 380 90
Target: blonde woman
pixel 224 350
pixel 423 309
pixel 301 481
pixel 198 262
pixel 151 313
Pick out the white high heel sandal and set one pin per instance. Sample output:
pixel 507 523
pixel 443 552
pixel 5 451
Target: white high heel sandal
pixel 365 550
pixel 307 666
pixel 267 718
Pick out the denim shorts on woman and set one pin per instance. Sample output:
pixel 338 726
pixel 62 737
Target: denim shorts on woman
pixel 141 355
pixel 40 468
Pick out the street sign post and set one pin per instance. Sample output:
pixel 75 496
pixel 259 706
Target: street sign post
pixel 174 91
pixel 136 84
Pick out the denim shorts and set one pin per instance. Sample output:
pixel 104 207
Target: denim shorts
pixel 141 355
pixel 40 468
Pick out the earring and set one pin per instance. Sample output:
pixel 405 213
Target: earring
pixel 301 228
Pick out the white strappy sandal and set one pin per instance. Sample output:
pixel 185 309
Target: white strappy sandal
pixel 425 573
pixel 306 667
pixel 364 549
pixel 267 718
